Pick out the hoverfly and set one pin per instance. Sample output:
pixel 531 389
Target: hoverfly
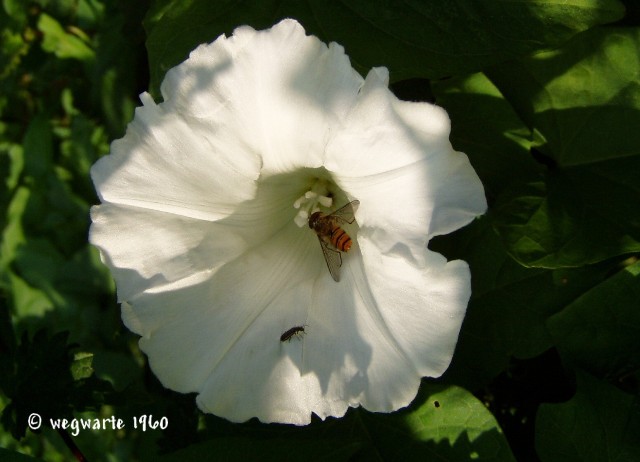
pixel 333 239
pixel 294 331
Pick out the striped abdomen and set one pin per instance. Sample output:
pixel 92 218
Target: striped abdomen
pixel 340 239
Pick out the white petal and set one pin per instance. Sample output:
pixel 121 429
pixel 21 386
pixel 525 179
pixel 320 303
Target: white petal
pixel 224 122
pixel 370 346
pixel 150 249
pixel 371 338
pixel 349 358
pixel 221 337
pixel 396 158
pixel 170 164
pixel 276 92
pixel 197 225
pixel 422 307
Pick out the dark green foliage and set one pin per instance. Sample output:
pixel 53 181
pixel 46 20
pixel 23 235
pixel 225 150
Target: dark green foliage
pixel 46 379
pixel 544 98
pixel 412 38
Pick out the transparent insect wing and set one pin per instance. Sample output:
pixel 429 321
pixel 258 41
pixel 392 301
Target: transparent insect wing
pixel 346 213
pixel 333 259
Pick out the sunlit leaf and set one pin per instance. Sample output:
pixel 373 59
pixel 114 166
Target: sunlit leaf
pixel 64 45
pixel 584 102
pixel 412 38
pixel 486 128
pixel 81 365
pixel 13 234
pixel 450 424
pixel 584 98
pixel 89 12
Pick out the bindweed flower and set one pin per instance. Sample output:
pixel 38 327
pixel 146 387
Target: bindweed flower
pixel 204 223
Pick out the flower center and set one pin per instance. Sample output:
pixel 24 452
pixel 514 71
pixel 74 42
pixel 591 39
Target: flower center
pixel 311 201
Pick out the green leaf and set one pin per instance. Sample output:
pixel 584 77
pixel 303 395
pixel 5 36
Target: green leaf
pixel 572 218
pixel 272 449
pixel 16 10
pixel 28 303
pixel 48 381
pixel 12 456
pixel 61 43
pixel 55 213
pixel 599 424
pixel 40 383
pixel 450 424
pixel 440 38
pixel 15 155
pixel 61 294
pixel 584 98
pixel 497 146
pixel 445 422
pixel 411 38
pixel 120 62
pixel 119 369
pixel 39 264
pixel 13 233
pixel 599 331
pixel 81 366
pixel 14 43
pixel 584 103
pixel 509 305
pixel 38 148
pixel 333 440
pixel 80 148
pixel 90 12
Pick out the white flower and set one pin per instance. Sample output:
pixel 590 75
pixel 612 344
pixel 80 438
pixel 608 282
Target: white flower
pixel 212 265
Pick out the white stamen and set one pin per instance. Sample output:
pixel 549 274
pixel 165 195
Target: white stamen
pixel 298 202
pixel 311 202
pixel 325 201
pixel 301 219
